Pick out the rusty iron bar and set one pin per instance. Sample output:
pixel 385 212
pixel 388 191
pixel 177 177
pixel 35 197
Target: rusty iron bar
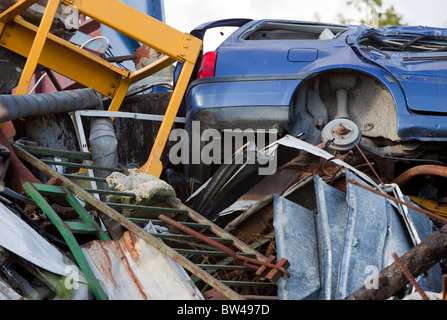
pixel 428 169
pixel 369 164
pixel 426 212
pixel 113 214
pixel 409 276
pixel 420 258
pixel 177 204
pixel 221 247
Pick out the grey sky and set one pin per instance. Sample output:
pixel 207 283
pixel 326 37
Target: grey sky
pixel 185 15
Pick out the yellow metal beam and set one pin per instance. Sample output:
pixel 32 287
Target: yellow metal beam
pixel 65 58
pixel 37 47
pixel 140 27
pixel 15 10
pixel 41 47
pixel 154 166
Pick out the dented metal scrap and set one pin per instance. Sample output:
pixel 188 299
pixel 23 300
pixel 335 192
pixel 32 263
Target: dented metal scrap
pixel 35 267
pixel 342 242
pixel 148 238
pixel 160 278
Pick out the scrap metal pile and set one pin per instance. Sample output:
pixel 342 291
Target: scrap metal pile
pixel 86 222
pixel 319 228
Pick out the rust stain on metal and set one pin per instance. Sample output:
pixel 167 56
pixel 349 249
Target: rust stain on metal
pixel 128 241
pixel 98 251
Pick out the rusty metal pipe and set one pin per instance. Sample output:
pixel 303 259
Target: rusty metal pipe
pixel 220 246
pixel 434 170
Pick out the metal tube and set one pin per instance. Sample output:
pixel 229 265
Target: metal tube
pixel 434 170
pixel 221 247
pixel 20 106
pixel 104 147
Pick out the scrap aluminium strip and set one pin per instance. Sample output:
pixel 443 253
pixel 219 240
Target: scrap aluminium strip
pixel 163 248
pixel 41 47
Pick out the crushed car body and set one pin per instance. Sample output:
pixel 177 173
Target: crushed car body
pixel 300 76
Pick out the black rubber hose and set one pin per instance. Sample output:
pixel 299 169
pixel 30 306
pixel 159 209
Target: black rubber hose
pixel 14 107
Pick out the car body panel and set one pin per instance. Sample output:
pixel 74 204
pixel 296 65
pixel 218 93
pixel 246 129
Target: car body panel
pixel 265 73
pixel 302 55
pixel 422 74
pixel 233 91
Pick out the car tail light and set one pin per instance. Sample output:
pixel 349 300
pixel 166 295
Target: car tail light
pixel 208 64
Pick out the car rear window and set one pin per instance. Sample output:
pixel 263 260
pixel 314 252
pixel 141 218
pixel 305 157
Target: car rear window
pixel 272 30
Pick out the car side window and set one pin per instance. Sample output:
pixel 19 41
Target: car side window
pixel 215 36
pixel 272 30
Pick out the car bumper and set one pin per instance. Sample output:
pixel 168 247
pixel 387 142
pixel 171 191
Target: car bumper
pixel 241 102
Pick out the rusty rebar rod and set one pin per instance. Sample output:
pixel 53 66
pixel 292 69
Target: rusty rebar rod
pixel 220 246
pixel 368 163
pixel 409 276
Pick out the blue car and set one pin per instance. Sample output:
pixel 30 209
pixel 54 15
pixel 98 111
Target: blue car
pixel 385 88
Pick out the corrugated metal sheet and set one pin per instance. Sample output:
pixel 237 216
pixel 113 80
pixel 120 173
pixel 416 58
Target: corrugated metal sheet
pixel 344 241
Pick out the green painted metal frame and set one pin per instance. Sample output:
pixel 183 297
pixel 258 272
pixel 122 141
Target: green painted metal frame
pixel 36 192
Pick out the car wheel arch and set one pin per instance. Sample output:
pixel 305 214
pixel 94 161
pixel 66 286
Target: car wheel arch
pixel 371 94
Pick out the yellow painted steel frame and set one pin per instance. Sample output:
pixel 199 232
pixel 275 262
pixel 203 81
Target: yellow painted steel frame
pixel 39 46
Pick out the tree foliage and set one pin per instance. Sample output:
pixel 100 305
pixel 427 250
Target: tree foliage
pixel 373 13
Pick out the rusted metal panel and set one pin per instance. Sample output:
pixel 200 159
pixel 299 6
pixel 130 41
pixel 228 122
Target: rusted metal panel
pixel 160 277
